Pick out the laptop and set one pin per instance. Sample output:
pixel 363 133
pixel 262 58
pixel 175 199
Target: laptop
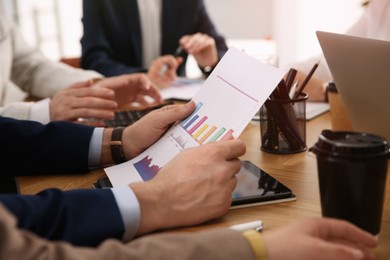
pixel 361 70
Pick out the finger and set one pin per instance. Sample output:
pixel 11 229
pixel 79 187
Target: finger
pixel 82 84
pixel 339 251
pixel 93 92
pixel 233 148
pixel 170 61
pixel 179 60
pixel 188 41
pixel 172 113
pixel 184 40
pixel 148 88
pixel 233 183
pixel 368 254
pixel 90 113
pixel 192 41
pixel 142 100
pixel 198 45
pixel 227 137
pixel 94 123
pixel 168 76
pixel 96 103
pixel 343 230
pixel 235 166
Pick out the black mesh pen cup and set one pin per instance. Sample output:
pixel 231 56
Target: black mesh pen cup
pixel 283 125
pixel 352 172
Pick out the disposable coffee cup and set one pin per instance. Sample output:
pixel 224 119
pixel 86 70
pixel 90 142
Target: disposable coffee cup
pixel 352 170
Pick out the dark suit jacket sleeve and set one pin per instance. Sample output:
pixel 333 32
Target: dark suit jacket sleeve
pixel 214 244
pixel 104 39
pixel 81 217
pixel 111 43
pixel 30 148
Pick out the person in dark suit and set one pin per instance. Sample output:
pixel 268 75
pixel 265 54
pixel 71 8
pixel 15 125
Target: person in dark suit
pixel 87 217
pixel 127 36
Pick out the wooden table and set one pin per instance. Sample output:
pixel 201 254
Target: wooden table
pixel 297 171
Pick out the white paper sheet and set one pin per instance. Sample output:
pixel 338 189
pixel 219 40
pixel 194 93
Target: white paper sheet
pixel 226 103
pixel 182 89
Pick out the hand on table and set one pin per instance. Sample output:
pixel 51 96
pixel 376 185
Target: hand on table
pixel 83 101
pixel 319 238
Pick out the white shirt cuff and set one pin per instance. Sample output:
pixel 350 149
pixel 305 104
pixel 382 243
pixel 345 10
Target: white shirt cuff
pixel 40 111
pixel 95 148
pixel 130 210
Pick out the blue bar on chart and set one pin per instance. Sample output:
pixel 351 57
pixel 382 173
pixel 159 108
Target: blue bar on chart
pixel 196 126
pixel 190 122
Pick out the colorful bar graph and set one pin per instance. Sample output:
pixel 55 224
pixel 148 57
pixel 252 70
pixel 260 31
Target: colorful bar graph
pixel 198 106
pixel 200 131
pixel 217 135
pixel 228 133
pixel 201 140
pixel 191 121
pixel 196 126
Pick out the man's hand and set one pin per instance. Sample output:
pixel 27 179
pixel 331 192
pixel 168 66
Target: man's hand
pixel 82 101
pixel 146 131
pixel 194 187
pixel 131 88
pixel 319 238
pixel 162 71
pixel 202 47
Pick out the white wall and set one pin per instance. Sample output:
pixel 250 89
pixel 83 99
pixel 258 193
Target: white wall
pixel 241 18
pixel 295 23
pixel 292 23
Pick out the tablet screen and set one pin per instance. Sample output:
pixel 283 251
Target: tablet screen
pixel 255 185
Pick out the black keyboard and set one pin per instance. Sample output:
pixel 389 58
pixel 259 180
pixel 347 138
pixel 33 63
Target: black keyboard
pixel 128 117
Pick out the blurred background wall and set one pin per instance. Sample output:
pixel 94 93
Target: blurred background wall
pixel 54 26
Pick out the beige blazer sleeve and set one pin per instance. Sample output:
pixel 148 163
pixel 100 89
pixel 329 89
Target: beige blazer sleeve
pixel 214 244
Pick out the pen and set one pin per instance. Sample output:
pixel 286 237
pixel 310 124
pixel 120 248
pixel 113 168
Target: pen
pixel 293 89
pixel 290 78
pixel 256 225
pixel 178 52
pixel 306 80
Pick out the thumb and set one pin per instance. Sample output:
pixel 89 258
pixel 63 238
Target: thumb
pixel 173 113
pixel 82 84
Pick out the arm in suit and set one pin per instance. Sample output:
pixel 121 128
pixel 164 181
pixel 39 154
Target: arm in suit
pixel 187 18
pixel 81 217
pixel 214 244
pixel 58 147
pixel 111 43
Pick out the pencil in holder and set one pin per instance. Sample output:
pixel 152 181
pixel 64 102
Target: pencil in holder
pixel 283 125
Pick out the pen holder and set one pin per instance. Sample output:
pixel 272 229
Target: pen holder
pixel 283 125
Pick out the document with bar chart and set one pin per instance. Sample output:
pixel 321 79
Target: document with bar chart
pixel 225 104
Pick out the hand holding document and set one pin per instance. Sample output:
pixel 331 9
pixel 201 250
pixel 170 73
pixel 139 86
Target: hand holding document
pixel 225 104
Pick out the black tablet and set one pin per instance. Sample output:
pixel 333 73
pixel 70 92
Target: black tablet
pixel 256 187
